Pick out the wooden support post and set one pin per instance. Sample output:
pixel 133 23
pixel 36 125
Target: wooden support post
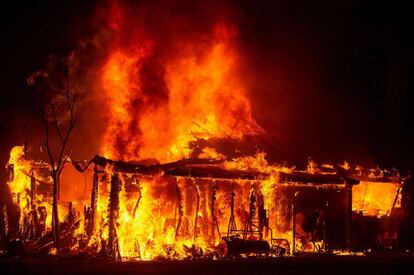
pixel 33 226
pixel 261 213
pixel 4 221
pixel 70 217
pixel 348 216
pixel 294 223
pixel 113 213
pixel 232 228
pixel 197 208
pixel 138 199
pixel 214 222
pixel 179 208
pixel 94 202
pixel 325 225
pixel 249 224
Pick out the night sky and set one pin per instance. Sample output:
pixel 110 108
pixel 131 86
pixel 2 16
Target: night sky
pixel 330 78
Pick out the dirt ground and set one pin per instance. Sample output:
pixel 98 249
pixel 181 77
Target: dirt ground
pixel 314 264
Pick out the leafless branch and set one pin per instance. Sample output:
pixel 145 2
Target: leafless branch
pixel 57 162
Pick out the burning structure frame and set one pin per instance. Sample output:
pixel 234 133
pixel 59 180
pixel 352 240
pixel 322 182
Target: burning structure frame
pixel 262 229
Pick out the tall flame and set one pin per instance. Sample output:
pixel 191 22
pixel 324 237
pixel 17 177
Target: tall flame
pixel 195 93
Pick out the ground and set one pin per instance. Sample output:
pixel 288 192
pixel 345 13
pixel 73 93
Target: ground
pixel 368 265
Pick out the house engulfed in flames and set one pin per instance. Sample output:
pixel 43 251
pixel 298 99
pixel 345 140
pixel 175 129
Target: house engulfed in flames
pixel 159 88
pixel 206 207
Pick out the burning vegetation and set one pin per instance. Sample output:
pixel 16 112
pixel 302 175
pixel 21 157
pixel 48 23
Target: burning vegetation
pixel 160 187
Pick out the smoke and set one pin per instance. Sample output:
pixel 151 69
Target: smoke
pixel 295 95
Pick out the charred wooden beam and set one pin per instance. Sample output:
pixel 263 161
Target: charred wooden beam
pixel 369 175
pixel 211 168
pixel 94 202
pixel 214 222
pixel 261 213
pixel 113 213
pixel 4 225
pixel 128 167
pixel 232 227
pixel 294 223
pixel 214 172
pixel 348 216
pixel 197 209
pixel 304 177
pixel 138 200
pixel 125 167
pixel 180 209
pixel 33 226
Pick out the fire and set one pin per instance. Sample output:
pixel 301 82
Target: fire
pixel 157 107
pixel 160 216
pixel 151 232
pixel 22 182
pixel 196 94
pixel 201 97
pixel 22 168
pixel 375 198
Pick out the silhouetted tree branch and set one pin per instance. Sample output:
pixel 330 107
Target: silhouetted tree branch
pixel 59 118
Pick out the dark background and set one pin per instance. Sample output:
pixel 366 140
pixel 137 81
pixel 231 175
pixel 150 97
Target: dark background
pixel 328 79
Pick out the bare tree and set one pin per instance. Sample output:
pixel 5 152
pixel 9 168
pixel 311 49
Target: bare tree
pixel 59 120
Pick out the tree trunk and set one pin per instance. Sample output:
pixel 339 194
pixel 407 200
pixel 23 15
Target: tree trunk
pixel 55 214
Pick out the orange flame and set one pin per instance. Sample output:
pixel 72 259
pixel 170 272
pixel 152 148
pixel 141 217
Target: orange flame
pixel 203 98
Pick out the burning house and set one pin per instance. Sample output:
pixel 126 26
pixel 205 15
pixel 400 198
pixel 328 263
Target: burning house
pixel 150 149
pixel 205 207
